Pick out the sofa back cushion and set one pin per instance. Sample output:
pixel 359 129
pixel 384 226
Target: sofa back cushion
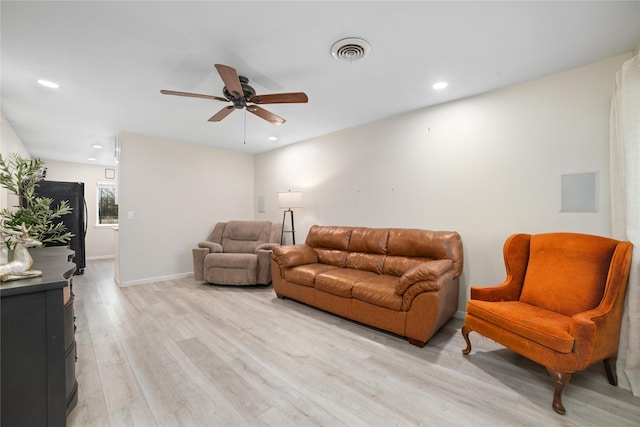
pixel 367 249
pixel 567 272
pixel 330 243
pixel 415 243
pixel 398 265
pixel 331 257
pixel 391 251
pixel 365 261
pixel 369 240
pixel 245 236
pixel 216 234
pixel 329 237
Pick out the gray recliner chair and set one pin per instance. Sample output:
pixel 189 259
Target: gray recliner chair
pixel 237 253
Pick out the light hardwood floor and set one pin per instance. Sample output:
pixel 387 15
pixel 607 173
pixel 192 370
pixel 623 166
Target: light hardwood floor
pixel 182 353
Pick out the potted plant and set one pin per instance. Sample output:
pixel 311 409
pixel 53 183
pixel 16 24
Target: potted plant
pixel 33 215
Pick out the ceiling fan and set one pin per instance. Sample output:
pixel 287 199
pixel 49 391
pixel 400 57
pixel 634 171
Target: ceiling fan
pixel 241 95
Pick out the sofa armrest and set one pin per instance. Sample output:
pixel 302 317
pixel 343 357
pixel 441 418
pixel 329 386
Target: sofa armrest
pixel 447 279
pixel 290 256
pixel 213 247
pixel 198 263
pixel 426 272
pixel 266 246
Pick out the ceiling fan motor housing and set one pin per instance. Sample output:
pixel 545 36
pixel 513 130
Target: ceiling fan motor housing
pixel 247 90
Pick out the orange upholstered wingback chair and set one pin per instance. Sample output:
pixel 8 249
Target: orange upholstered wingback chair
pixel 560 305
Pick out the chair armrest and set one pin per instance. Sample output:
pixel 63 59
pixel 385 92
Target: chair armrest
pixel 263 273
pixel 427 272
pixel 290 256
pixel 596 333
pixel 198 263
pixel 506 291
pixel 267 246
pixel 211 246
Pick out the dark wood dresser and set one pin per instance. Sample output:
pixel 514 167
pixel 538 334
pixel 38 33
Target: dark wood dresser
pixel 38 353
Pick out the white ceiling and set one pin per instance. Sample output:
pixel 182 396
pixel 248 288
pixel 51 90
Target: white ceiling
pixel 112 58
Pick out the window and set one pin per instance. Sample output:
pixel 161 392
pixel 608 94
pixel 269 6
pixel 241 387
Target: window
pixel 107 207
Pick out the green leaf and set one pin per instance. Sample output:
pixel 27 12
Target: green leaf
pixel 20 176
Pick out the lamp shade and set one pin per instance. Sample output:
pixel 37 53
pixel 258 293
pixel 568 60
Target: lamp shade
pixel 290 199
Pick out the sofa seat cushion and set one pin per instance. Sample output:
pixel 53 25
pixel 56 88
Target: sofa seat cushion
pixel 306 274
pixel 379 291
pixel 533 323
pixel 339 281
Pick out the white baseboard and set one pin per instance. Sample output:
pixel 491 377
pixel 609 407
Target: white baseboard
pixel 126 283
pixel 99 257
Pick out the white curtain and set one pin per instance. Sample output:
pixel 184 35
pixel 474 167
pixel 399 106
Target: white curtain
pixel 625 209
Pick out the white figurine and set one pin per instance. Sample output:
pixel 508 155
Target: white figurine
pixel 20 266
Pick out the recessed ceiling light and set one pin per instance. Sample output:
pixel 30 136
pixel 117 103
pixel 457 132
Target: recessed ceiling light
pixel 440 85
pixel 49 84
pixel 96 146
pixel 273 138
pixel 92 159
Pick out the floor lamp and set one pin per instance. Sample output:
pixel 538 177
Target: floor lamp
pixel 287 200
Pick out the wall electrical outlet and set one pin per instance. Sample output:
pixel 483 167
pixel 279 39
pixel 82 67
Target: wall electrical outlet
pixel 131 215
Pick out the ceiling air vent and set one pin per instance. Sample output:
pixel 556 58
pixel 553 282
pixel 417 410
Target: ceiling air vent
pixel 350 50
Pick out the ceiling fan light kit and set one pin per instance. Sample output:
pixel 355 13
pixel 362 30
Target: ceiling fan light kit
pixel 238 91
pixel 350 49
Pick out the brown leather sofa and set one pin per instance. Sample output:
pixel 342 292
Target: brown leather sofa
pixel 237 253
pixel 404 281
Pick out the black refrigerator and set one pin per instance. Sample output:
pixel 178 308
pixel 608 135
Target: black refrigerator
pixel 75 221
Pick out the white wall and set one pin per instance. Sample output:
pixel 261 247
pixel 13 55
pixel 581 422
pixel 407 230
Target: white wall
pixel 176 193
pixel 99 241
pixel 9 143
pixel 486 166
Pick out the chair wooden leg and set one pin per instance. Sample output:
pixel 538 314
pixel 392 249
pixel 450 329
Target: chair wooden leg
pixel 465 334
pixel 610 369
pixel 560 379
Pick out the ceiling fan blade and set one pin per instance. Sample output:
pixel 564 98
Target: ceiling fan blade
pixel 264 114
pixel 231 81
pixel 193 95
pixel 280 98
pixel 222 113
